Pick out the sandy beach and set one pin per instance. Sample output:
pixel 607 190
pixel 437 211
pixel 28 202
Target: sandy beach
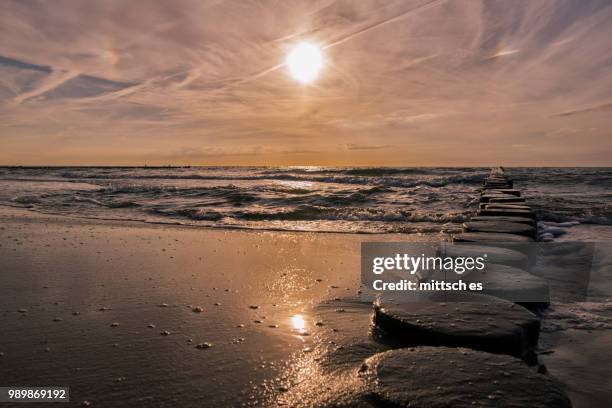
pixel 134 314
pixel 66 282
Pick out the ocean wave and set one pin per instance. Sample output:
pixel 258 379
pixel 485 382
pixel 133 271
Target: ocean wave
pixel 386 180
pixel 313 213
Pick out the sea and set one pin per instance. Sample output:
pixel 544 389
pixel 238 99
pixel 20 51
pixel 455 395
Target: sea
pixel 309 198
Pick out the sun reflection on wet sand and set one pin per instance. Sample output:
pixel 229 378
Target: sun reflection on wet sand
pixel 298 323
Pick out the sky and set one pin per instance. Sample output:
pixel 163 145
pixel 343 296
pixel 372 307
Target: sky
pixel 404 83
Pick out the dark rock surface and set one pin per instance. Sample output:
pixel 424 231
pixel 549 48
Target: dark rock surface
pixel 466 319
pixel 435 377
pixel 500 226
pixel 492 237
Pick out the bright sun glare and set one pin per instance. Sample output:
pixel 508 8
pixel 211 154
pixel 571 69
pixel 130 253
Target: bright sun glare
pixel 305 61
pixel 298 322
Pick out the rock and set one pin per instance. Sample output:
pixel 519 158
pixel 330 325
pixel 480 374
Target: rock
pixel 57 319
pixel 23 310
pixel 86 403
pixel 489 206
pixel 512 284
pixel 506 212
pixel 165 333
pixel 197 309
pixel 115 324
pixel 520 220
pixel 547 237
pixel 502 256
pixel 459 319
pixel 151 326
pixel 492 237
pixel 488 197
pixel 254 307
pixel 509 191
pixel 495 200
pixel 426 377
pixel 163 305
pixel 493 206
pixel 500 226
pixel 203 346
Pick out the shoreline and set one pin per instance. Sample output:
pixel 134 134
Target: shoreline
pixel 262 295
pixel 86 303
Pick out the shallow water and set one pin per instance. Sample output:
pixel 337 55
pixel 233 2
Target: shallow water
pixel 370 200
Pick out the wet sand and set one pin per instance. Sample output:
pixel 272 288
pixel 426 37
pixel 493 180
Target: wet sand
pixel 89 290
pixel 116 311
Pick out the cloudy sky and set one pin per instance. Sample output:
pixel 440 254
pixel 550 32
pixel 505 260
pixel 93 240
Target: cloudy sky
pixel 443 82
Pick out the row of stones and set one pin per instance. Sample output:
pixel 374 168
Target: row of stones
pixel 467 349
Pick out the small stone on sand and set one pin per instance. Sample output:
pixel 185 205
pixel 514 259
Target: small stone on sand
pixel 165 333
pixel 253 307
pixel 197 309
pixel 203 346
pixel 163 305
pixel 114 324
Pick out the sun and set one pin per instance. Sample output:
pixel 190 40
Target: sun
pixel 305 62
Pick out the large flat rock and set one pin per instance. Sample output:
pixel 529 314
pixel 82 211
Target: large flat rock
pixel 440 377
pixel 506 200
pixel 512 284
pixel 520 220
pixel 500 226
pixel 464 319
pixel 492 237
pixel 496 255
pixel 487 198
pixel 506 212
pixel 510 191
pixel 498 185
pixel 502 206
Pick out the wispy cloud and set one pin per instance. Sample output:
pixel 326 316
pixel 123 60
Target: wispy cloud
pixel 410 81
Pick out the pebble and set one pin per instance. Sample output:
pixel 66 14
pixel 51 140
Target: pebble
pixel 23 310
pixel 165 333
pixel 85 403
pixel 114 324
pixel 151 326
pixel 203 346
pixel 253 307
pixel 57 319
pixel 163 305
pixel 197 309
